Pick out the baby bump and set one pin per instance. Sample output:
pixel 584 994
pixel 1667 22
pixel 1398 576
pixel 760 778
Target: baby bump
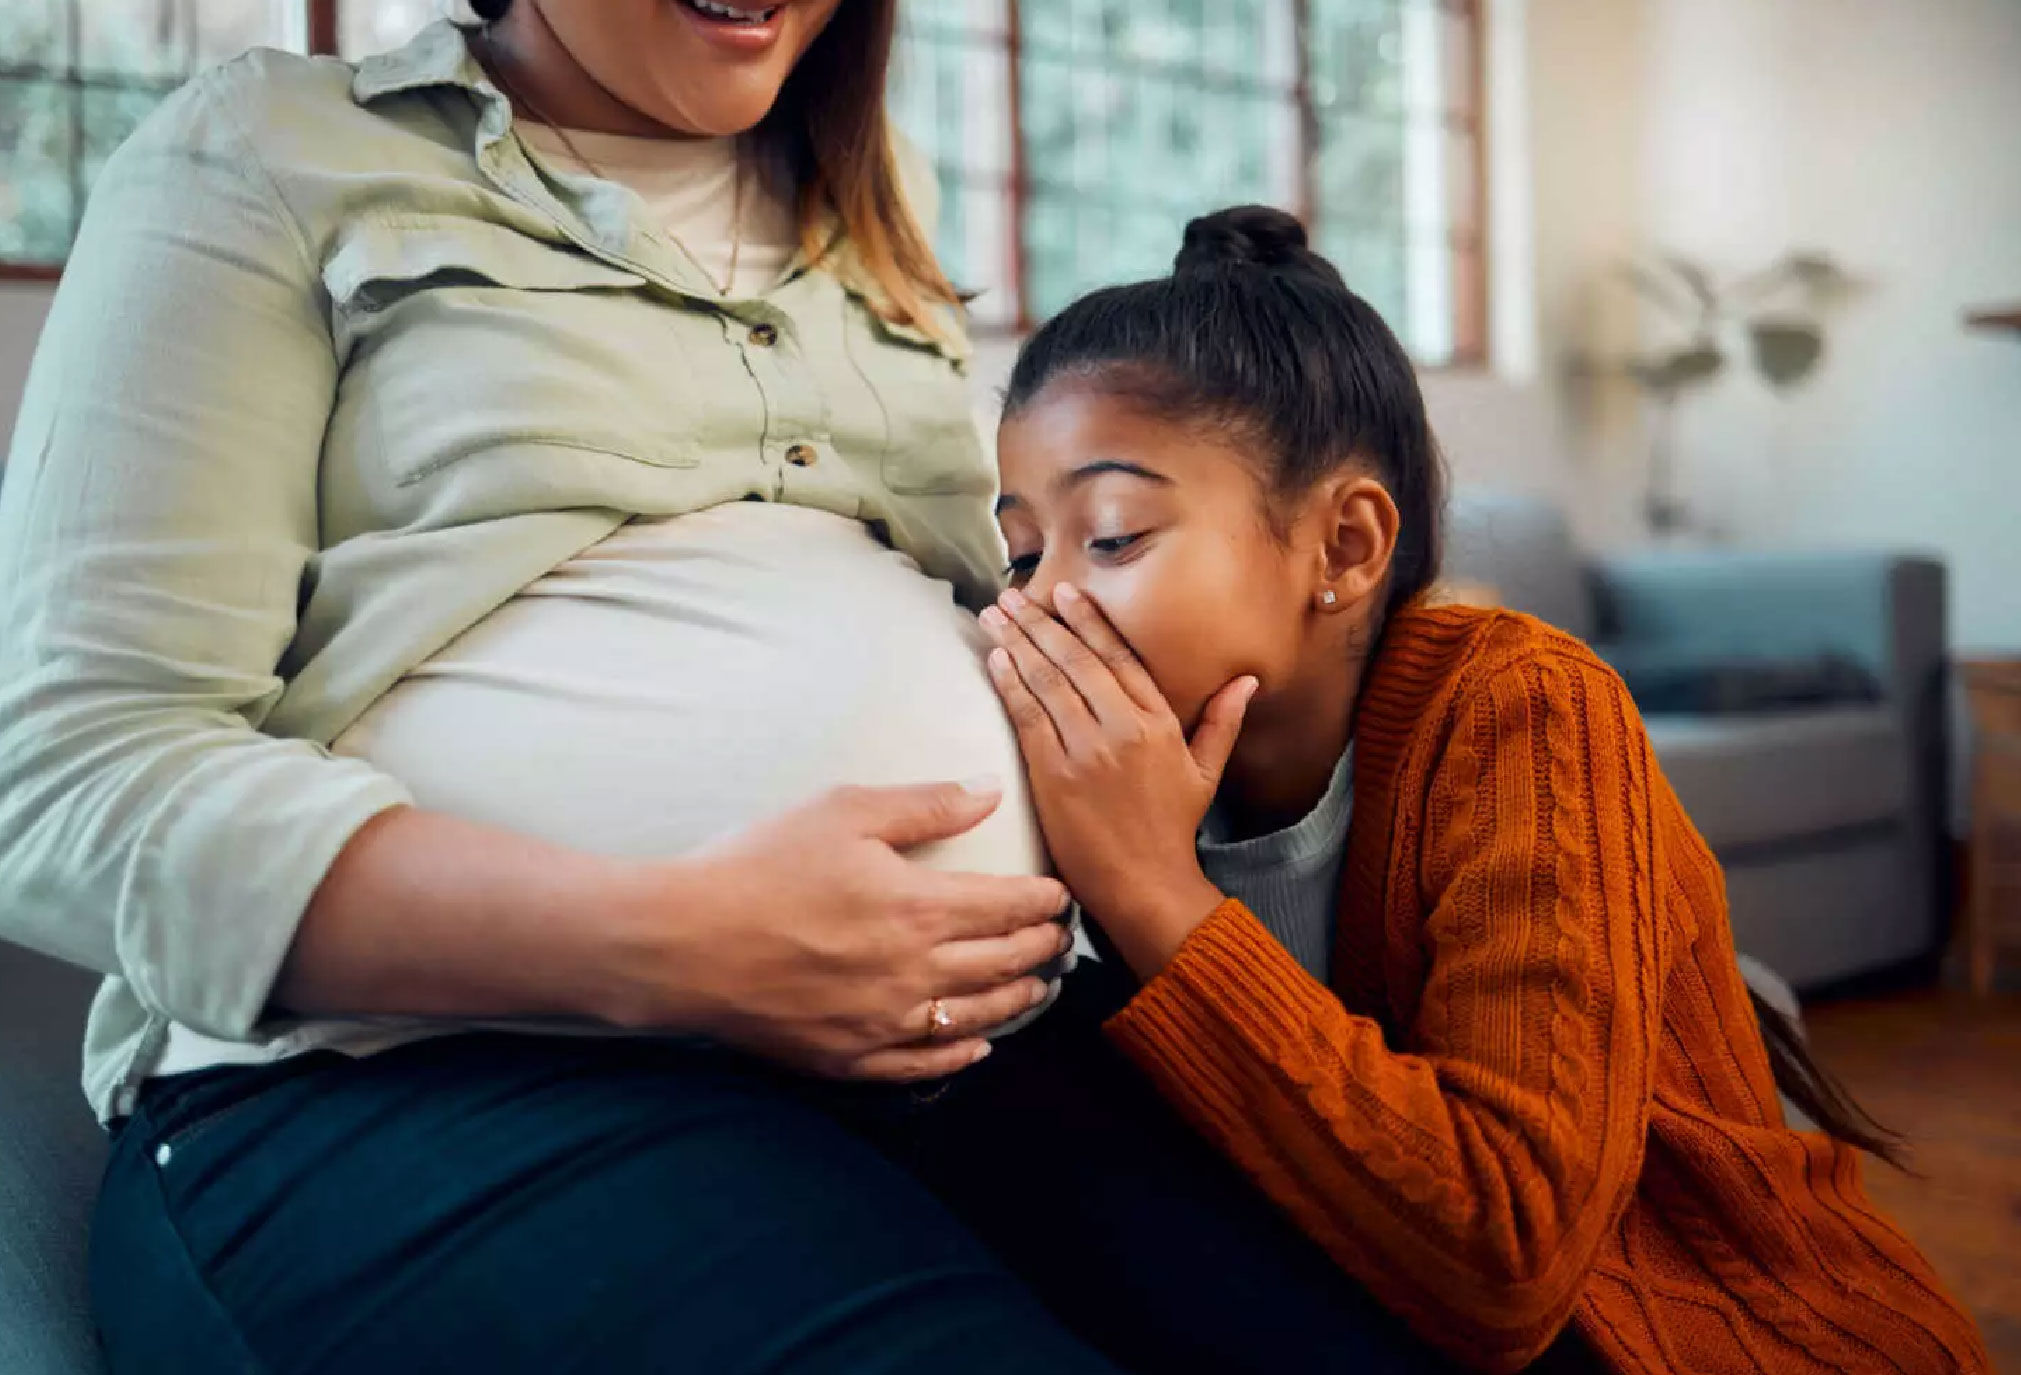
pixel 689 678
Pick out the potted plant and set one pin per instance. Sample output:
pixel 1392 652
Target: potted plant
pixel 1773 318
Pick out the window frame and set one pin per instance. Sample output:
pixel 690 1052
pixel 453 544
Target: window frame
pixel 1470 268
pixel 320 23
pixel 1469 257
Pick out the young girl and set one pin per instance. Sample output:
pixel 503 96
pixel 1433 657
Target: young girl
pixel 1427 945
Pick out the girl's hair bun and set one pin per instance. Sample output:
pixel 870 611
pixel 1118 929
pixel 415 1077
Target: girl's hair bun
pixel 1243 236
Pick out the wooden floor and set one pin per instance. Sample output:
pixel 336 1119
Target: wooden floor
pixel 1945 1070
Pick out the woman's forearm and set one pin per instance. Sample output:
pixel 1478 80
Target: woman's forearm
pixel 809 940
pixel 428 915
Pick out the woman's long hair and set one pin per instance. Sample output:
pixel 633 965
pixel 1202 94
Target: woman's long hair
pixel 831 124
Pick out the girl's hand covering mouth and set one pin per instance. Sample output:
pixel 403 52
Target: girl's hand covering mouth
pixel 1120 790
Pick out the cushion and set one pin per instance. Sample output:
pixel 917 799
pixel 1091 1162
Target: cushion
pixel 1521 547
pixel 51 1152
pixel 1773 777
pixel 1661 678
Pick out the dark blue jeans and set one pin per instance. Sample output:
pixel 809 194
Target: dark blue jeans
pixel 498 1204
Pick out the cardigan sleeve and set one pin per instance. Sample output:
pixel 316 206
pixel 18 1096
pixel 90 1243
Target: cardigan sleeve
pixel 1468 1174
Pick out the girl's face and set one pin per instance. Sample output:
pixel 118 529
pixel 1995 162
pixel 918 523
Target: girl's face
pixel 684 65
pixel 1165 528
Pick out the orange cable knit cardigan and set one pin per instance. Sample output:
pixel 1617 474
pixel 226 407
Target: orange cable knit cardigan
pixel 1535 1091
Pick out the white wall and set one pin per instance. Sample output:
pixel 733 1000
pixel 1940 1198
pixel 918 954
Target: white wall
pixel 1888 133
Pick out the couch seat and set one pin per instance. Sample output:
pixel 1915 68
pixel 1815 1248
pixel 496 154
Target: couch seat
pixel 1773 777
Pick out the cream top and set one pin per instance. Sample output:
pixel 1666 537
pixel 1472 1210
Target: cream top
pixel 689 186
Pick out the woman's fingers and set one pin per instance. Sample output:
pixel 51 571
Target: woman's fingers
pixel 906 1064
pixel 1074 721
pixel 978 906
pixel 954 1041
pixel 1092 624
pixel 969 1015
pixel 977 966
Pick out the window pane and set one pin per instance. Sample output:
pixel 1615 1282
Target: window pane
pixel 365 27
pixel 37 205
pixel 34 33
pixel 950 95
pixel 109 115
pixel 63 112
pixel 172 40
pixel 1138 115
pixel 1394 181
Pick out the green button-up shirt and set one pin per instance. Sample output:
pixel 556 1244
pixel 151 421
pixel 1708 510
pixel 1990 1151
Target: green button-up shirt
pixel 336 368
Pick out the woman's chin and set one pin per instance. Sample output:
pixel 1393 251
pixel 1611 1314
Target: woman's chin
pixel 724 113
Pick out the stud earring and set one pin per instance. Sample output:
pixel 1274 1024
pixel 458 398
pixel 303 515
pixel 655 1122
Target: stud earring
pixel 1327 598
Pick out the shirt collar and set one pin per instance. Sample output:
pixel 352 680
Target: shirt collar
pixel 436 56
pixel 439 55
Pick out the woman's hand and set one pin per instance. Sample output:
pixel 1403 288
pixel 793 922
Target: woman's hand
pixel 1120 790
pixel 813 942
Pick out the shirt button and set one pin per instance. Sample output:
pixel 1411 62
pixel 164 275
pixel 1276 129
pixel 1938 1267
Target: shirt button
pixel 802 455
pixel 764 336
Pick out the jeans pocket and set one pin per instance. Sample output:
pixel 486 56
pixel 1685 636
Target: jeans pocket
pixel 183 1109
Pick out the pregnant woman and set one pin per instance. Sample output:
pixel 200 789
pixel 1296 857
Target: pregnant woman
pixel 468 510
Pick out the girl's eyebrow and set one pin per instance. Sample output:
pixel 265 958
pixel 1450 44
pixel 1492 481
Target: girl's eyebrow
pixel 1066 482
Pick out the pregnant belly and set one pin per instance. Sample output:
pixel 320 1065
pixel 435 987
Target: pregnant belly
pixel 687 678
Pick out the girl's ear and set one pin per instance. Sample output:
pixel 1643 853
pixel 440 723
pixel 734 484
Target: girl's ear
pixel 1357 539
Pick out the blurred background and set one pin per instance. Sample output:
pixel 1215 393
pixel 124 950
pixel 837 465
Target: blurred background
pixel 1718 308
pixel 1484 171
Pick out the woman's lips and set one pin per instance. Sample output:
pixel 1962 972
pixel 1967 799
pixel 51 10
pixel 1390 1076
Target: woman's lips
pixel 741 28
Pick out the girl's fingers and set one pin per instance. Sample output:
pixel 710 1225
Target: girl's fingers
pixel 1080 664
pixel 1091 623
pixel 1073 721
pixel 1038 738
pixel 1220 725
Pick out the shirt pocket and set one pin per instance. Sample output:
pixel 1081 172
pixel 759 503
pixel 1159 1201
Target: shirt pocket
pixel 931 444
pixel 460 337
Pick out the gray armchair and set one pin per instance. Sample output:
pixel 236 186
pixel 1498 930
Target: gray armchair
pixel 1828 819
pixel 50 1156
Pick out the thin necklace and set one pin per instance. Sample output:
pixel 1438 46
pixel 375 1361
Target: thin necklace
pixel 514 95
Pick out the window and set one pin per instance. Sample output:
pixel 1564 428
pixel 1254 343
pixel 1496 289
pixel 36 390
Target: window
pixel 77 75
pixel 1073 138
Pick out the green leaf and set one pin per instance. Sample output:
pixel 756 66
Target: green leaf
pixel 1670 373
pixel 1785 351
pixel 1816 270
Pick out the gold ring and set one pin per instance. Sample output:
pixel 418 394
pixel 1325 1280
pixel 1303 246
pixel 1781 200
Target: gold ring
pixel 938 1018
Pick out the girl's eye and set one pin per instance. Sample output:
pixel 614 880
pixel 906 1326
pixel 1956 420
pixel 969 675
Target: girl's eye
pixel 1113 544
pixel 1022 567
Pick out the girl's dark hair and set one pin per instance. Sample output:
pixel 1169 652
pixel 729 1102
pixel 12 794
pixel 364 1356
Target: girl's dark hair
pixel 1257 336
pixel 830 121
pixel 1815 1092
